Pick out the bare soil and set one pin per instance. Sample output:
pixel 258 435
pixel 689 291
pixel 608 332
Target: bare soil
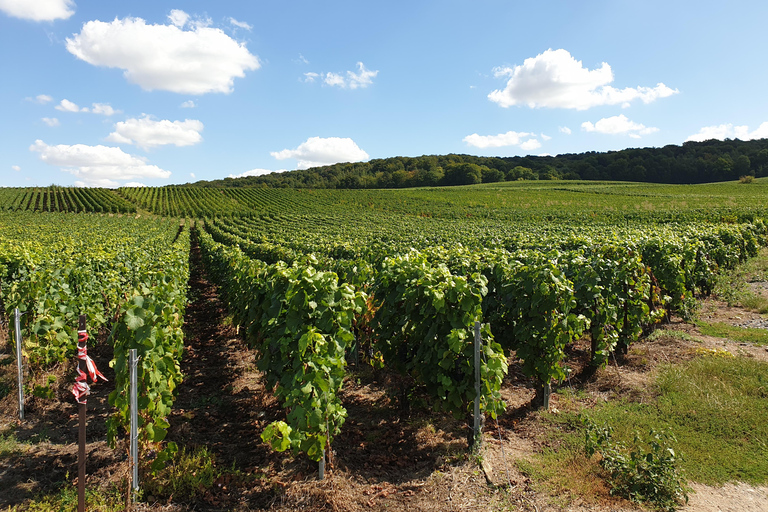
pixel 386 458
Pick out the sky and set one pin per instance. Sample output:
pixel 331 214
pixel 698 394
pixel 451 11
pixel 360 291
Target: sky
pixel 109 94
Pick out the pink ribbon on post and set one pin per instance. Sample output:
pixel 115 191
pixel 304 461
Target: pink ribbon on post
pixel 81 389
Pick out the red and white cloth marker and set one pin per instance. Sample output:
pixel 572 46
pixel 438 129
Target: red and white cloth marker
pixel 81 389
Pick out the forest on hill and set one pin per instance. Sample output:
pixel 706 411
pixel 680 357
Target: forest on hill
pixel 693 162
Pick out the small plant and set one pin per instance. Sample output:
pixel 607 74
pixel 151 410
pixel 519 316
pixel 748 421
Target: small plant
pixel 45 391
pixel 187 475
pixel 645 472
pixel 746 179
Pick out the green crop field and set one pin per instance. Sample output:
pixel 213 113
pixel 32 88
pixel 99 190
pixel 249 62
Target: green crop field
pixel 397 278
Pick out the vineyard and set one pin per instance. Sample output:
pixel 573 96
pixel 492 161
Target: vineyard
pixel 321 283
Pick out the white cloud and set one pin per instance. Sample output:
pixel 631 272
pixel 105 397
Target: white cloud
pixel 147 133
pixel 165 57
pixel 545 137
pixel 728 131
pixel 503 140
pixel 350 80
pixel 178 18
pixel 565 130
pixel 617 125
pixel 68 106
pixel 530 145
pixel 555 79
pixel 310 77
pixel 51 121
pixel 42 99
pixel 192 175
pixel 16 168
pixel 38 10
pixel 188 104
pixel 134 184
pixel 240 24
pixel 97 108
pixel 317 151
pixel 104 109
pixel 303 59
pixel 255 172
pixel 101 166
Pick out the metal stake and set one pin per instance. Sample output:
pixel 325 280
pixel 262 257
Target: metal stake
pixel 134 441
pixel 321 467
pixel 19 361
pixel 476 428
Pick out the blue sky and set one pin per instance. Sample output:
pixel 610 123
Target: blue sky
pixel 116 93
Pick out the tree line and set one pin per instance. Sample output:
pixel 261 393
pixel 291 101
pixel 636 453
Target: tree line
pixel 693 162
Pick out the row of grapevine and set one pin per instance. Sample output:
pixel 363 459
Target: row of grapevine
pixel 63 199
pixel 127 275
pixel 300 320
pixel 177 201
pixel 535 292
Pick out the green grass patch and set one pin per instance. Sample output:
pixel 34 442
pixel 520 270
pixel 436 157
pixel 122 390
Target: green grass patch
pixel 716 407
pixel 731 332
pixel 669 333
pixel 65 500
pixel 733 286
pixel 188 475
pixel 9 445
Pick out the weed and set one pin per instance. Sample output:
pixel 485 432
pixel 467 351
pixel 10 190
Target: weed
pixel 644 472
pixel 187 475
pixel 109 500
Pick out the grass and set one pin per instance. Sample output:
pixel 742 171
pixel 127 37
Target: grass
pixel 669 333
pixel 733 286
pixel 189 474
pixel 65 500
pixel 716 407
pixel 731 332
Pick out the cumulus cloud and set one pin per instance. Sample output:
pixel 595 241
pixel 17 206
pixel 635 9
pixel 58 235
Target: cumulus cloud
pixel 618 125
pixel 349 80
pixel 240 24
pixel 41 99
pixel 524 140
pixel 530 145
pixel 728 131
pixel 199 60
pixel 178 18
pixel 104 109
pixel 38 10
pixel 255 172
pixel 317 151
pixel 16 168
pixel 147 133
pixel 545 137
pixel 565 130
pixel 555 79
pixel 51 121
pixel 68 106
pixel 100 166
pixel 134 184
pixel 188 104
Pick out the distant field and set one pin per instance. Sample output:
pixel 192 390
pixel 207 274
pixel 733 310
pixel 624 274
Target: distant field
pixel 511 201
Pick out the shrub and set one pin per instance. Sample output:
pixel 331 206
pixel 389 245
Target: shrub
pixel 645 472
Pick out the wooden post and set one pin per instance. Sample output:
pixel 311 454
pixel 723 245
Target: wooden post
pixel 82 365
